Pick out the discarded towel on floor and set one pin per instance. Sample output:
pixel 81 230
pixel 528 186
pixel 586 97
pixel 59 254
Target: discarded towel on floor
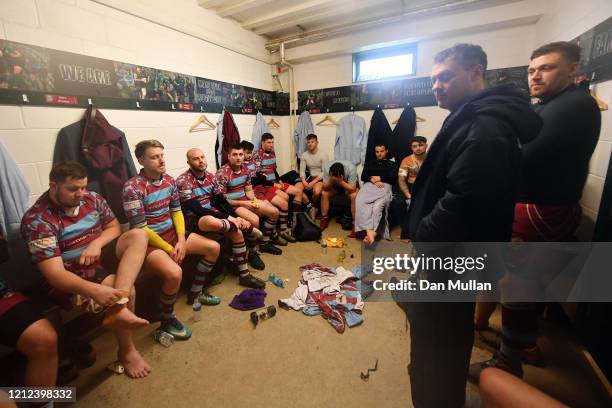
pixel 333 293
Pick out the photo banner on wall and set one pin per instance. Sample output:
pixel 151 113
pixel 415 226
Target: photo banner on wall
pixel 393 94
pixel 596 52
pixel 40 76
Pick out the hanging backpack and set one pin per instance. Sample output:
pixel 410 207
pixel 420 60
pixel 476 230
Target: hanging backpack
pixel 305 229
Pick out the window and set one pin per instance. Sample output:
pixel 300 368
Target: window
pixel 384 63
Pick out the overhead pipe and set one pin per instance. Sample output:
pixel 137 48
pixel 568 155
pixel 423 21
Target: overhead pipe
pixel 285 66
pixel 322 34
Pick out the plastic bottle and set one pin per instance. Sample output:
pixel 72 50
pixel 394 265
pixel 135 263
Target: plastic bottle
pixel 197 311
pixel 163 338
pixel 276 280
pixel 263 314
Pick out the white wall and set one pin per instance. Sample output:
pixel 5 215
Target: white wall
pixel 505 47
pixel 89 28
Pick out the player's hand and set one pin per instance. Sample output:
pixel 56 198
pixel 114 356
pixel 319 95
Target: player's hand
pixel 379 184
pixel 243 224
pixel 179 251
pixel 91 254
pixel 278 185
pixel 107 295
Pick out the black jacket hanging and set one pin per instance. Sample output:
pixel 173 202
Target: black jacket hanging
pixel 380 132
pixel 402 134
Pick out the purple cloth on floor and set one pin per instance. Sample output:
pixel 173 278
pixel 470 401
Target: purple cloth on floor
pixel 249 299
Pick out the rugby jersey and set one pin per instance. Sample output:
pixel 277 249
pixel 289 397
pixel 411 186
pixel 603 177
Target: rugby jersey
pixel 149 203
pixel 266 163
pixel 50 232
pixel 232 184
pixel 251 167
pixel 191 187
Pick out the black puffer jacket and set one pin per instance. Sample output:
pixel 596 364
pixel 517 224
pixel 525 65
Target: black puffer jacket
pixel 468 183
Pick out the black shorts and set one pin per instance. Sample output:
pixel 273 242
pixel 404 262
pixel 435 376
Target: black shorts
pixel 16 320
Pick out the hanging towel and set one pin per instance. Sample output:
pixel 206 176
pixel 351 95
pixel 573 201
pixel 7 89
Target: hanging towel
pixel 380 132
pixel 104 151
pixel 227 135
pixel 14 194
pixel 259 129
pixel 402 134
pixel 304 128
pixel 351 139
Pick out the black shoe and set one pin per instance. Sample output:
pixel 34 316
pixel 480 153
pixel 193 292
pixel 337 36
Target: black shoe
pixel 191 297
pixel 270 248
pixel 347 225
pixel 251 281
pixel 255 260
pixel 497 361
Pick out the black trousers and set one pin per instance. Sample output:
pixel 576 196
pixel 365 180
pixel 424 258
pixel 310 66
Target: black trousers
pixel 441 336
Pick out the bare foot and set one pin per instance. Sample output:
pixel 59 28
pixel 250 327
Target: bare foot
pixel 123 318
pixel 134 364
pixel 370 236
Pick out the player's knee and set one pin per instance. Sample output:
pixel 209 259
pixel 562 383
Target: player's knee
pixel 41 342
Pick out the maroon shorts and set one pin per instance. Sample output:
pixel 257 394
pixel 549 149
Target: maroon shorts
pixel 548 223
pixel 265 192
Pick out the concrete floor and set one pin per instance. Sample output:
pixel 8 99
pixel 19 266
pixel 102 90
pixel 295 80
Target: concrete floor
pixel 291 360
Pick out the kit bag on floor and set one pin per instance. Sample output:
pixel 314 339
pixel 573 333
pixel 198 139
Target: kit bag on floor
pixel 305 229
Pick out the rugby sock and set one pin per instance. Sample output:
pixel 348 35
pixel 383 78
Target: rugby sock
pixel 167 302
pixel 202 270
pixel 239 251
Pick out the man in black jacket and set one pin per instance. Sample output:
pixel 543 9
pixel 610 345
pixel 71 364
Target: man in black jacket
pixel 465 192
pixel 554 171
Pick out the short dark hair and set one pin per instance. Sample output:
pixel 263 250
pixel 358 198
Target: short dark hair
pixel 142 147
pixel 418 139
pixel 570 50
pixel 311 136
pixel 383 144
pixel 236 146
pixel 62 170
pixel 246 145
pixel 336 170
pixel 266 136
pixel 467 55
